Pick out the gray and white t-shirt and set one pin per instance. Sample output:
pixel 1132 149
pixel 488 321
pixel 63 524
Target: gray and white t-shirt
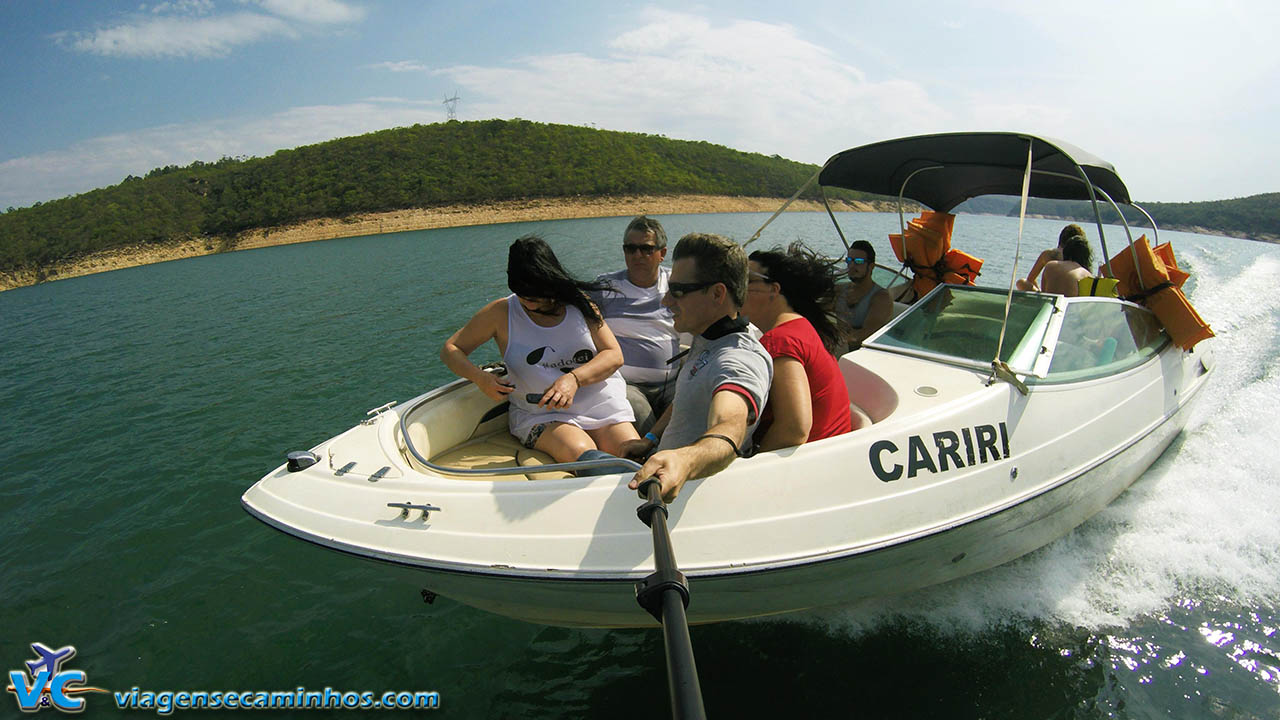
pixel 734 362
pixel 645 330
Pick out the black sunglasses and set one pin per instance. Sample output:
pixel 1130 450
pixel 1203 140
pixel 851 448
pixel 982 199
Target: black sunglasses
pixel 642 249
pixel 679 289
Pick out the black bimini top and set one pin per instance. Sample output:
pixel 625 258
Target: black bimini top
pixel 965 165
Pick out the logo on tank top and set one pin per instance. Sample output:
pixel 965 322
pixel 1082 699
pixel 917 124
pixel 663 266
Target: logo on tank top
pixel 564 365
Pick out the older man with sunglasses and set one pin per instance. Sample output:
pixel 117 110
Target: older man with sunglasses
pixel 633 309
pixel 862 303
pixel 724 380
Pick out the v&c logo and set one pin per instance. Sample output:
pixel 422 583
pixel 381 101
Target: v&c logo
pixel 45 684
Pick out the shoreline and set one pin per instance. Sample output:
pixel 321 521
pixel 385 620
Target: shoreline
pixel 447 216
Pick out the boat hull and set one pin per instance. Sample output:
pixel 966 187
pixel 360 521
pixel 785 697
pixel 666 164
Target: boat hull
pixel 942 552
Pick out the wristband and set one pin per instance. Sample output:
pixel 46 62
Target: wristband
pixel 576 379
pixel 725 438
pixel 651 438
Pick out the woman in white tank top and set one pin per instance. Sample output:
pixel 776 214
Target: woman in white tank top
pixel 562 360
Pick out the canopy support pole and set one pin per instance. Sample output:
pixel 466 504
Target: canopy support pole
pixel 839 231
pixel 999 369
pixel 756 236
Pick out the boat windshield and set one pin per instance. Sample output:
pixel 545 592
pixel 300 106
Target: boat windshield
pixel 1102 337
pixel 962 324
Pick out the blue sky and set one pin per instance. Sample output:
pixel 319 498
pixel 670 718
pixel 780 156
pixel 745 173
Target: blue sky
pixel 1180 96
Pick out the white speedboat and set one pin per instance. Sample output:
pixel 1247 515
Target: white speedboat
pixel 958 462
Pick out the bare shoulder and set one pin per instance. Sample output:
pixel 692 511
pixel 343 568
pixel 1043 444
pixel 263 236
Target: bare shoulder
pixel 1053 268
pixel 492 314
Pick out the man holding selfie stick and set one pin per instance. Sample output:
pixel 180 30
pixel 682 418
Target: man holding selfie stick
pixel 724 380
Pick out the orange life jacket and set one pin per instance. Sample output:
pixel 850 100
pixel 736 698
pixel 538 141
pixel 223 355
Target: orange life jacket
pixel 926 249
pixel 1160 290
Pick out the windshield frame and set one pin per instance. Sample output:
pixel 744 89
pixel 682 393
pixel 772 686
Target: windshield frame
pixel 1047 326
pixel 1068 377
pixel 1023 359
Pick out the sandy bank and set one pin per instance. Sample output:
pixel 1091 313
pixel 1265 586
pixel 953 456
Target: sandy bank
pixel 414 219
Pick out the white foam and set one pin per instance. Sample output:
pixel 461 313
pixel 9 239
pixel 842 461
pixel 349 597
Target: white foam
pixel 1201 522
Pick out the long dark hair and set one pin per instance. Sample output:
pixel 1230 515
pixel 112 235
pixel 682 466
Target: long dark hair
pixel 1077 250
pixel 534 272
pixel 808 283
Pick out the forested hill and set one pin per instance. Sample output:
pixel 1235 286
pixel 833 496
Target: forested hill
pixel 455 163
pixel 419 166
pixel 1256 216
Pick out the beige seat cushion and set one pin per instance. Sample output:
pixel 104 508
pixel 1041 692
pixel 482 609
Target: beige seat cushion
pixel 858 418
pixel 497 450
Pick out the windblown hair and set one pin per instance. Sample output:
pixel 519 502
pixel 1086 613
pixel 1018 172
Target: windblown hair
pixel 718 259
pixel 646 224
pixel 808 282
pixel 1076 249
pixel 534 272
pixel 865 247
pixel 1069 232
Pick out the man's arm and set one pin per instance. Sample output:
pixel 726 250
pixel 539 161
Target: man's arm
pixel 707 455
pixel 638 447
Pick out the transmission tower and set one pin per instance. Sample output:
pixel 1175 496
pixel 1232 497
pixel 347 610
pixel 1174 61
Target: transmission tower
pixel 451 105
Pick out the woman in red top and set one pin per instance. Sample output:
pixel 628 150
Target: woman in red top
pixel 786 294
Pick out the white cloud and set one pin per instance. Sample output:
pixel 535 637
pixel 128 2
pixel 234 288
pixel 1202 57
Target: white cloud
pixel 328 12
pixel 199 7
pixel 764 88
pixel 109 159
pixel 750 85
pixel 399 66
pixel 1164 116
pixel 186 29
pixel 1176 95
pixel 192 37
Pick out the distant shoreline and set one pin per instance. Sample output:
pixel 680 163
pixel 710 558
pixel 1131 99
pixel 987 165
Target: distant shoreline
pixel 416 219
pixel 443 217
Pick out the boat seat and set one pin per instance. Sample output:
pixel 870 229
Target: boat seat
pixel 495 450
pixel 860 419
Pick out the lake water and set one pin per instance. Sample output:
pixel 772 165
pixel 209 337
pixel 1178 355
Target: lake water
pixel 138 405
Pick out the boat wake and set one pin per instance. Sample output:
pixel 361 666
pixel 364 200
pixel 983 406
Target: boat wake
pixel 1198 525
